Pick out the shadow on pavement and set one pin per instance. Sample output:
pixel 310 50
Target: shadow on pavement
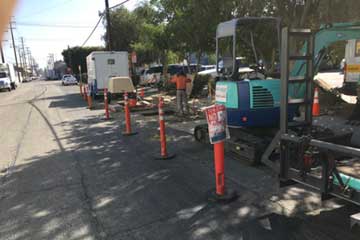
pixel 106 186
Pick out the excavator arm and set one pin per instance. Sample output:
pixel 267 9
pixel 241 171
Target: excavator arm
pixel 327 34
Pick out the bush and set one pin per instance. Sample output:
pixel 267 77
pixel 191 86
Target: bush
pixel 167 86
pixel 199 83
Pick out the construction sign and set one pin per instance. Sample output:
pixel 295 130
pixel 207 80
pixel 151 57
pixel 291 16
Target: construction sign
pixel 217 125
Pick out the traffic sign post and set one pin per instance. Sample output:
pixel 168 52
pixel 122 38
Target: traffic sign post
pixel 218 133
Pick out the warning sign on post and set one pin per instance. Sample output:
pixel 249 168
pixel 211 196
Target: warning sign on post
pixel 217 125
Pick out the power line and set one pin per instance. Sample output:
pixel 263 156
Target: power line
pixel 47 39
pixel 101 16
pixel 51 25
pixel 92 32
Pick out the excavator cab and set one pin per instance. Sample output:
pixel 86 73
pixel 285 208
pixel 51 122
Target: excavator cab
pixel 248 66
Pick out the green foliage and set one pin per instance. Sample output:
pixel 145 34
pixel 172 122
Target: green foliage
pixel 168 30
pixel 124 29
pixel 76 56
pixel 199 83
pixel 192 23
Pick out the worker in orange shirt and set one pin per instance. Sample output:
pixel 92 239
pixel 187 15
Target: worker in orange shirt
pixel 181 80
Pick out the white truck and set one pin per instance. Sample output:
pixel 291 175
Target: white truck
pixel 50 74
pixel 352 61
pixel 103 65
pixel 351 67
pixel 8 78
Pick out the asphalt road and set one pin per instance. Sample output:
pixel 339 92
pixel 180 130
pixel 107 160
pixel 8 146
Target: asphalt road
pixel 68 174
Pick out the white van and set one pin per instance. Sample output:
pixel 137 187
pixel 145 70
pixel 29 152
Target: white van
pixel 151 76
pixel 103 65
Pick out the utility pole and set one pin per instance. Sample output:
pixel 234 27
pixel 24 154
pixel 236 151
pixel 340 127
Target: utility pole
pixel 2 54
pixel 24 55
pixel 13 42
pixel 108 25
pixel 21 65
pixel 70 60
pixel 28 53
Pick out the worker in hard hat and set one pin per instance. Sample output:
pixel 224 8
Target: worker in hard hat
pixel 181 80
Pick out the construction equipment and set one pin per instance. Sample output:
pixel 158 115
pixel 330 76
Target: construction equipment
pixel 253 98
pixel 322 164
pixel 120 85
pixel 264 110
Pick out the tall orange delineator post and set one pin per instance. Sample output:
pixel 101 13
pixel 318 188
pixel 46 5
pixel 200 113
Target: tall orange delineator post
pixel 163 149
pixel 106 104
pixel 216 119
pixel 316 104
pixel 219 167
pixel 89 99
pixel 128 131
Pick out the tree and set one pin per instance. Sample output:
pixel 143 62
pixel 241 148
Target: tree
pixel 151 30
pixel 158 28
pixel 124 29
pixel 76 56
pixel 192 24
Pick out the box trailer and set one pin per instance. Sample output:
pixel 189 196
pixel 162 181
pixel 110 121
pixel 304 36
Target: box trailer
pixel 103 65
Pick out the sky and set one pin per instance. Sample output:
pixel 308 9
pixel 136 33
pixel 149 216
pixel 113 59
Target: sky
pixel 49 26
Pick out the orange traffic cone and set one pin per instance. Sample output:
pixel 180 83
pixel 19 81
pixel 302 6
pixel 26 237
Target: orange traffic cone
pixel 316 104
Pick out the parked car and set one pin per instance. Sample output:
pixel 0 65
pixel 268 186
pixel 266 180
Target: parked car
pixel 174 69
pixel 68 79
pixel 27 79
pixel 207 67
pixel 151 76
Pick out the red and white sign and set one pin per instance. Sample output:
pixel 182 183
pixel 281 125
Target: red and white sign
pixel 217 125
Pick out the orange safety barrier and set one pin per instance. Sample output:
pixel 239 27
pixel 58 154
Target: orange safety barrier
pixel 316 104
pixel 219 167
pixel 106 104
pixel 163 149
pixel 128 131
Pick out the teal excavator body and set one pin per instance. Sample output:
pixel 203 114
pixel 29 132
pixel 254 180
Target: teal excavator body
pixel 255 102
